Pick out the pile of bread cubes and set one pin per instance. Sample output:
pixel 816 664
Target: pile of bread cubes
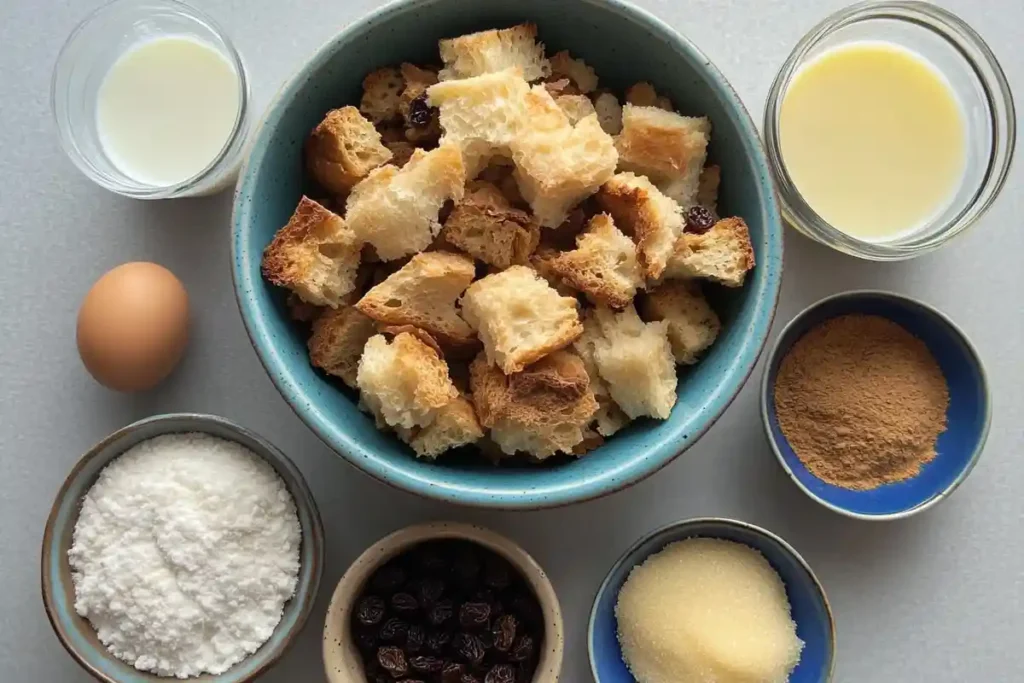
pixel 503 254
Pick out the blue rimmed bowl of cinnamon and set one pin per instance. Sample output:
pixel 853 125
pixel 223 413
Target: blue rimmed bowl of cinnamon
pixel 876 405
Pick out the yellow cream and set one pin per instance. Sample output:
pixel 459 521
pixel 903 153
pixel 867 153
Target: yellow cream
pixel 873 137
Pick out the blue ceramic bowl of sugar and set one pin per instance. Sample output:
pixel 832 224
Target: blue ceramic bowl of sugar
pixel 624 45
pixel 77 635
pixel 808 604
pixel 967 417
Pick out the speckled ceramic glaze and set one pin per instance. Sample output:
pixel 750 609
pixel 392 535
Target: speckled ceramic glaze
pixel 967 417
pixel 342 663
pixel 808 604
pixel 75 633
pixel 625 45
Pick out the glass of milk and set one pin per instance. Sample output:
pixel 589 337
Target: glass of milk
pixel 151 100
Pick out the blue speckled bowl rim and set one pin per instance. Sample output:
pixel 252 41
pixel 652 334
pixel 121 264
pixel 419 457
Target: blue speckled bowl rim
pixel 679 528
pixel 297 487
pixel 536 498
pixel 773 359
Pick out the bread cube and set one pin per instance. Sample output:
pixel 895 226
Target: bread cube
pixel 396 210
pixel 654 220
pixel 337 342
pixel 576 107
pixel 382 90
pixel 604 264
pixel 564 65
pixel 485 226
pixel 519 317
pixel 609 113
pixel 343 149
pixel 455 425
pixel 692 325
pixel 723 254
pixel 487 52
pixel 315 255
pixel 609 418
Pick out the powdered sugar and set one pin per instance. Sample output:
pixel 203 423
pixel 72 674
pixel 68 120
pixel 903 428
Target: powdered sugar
pixel 184 554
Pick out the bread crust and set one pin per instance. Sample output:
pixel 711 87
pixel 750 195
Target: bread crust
pixel 485 226
pixel 337 342
pixel 343 149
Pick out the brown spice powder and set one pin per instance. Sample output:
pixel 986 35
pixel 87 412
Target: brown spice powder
pixel 861 402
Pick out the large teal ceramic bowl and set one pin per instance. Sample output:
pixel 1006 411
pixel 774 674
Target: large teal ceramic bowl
pixel 624 44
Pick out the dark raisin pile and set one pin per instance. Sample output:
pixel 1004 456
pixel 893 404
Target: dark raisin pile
pixel 420 112
pixel 699 220
pixel 448 612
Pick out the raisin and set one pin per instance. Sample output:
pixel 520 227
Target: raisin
pixel 437 641
pixel 469 648
pixel 426 665
pixel 419 112
pixel 381 678
pixel 392 660
pixel 430 591
pixel 370 610
pixel 497 573
pixel 452 672
pixel 393 630
pixel 502 673
pixel 366 641
pixel 469 678
pixel 699 220
pixel 388 578
pixel 474 615
pixel 415 639
pixel 403 603
pixel 522 649
pixel 504 632
pixel 440 612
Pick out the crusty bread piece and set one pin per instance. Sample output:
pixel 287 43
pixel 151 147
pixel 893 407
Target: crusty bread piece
pixel 404 382
pixel 316 255
pixel 495 50
pixel 455 425
pixel 337 342
pixel 603 266
pixel 641 210
pixel 609 113
pixel 692 325
pixel 396 210
pixel 564 65
pixel 541 411
pixel 382 91
pixel 482 115
pixel 609 418
pixel 668 148
pixel 707 188
pixel 541 263
pixel 635 360
pixel 423 293
pixel 519 317
pixel 343 149
pixel 485 226
pixel 576 107
pixel 641 95
pixel 723 254
pixel 557 164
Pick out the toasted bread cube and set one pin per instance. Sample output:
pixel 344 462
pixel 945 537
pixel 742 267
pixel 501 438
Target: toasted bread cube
pixel 423 294
pixel 668 148
pixel 641 95
pixel 487 52
pixel 519 317
pixel 455 425
pixel 609 418
pixel 558 165
pixel 541 263
pixel 692 325
pixel 343 149
pixel 541 411
pixel 603 266
pixel 315 255
pixel 707 188
pixel 723 254
pixel 576 107
pixel 635 360
pixel 396 210
pixel 564 65
pixel 485 226
pixel 405 383
pixel 337 342
pixel 609 113
pixel 382 90
pixel 654 220
pixel 482 115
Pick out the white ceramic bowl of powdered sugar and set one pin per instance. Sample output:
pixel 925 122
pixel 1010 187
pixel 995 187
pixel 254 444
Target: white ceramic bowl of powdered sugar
pixel 181 546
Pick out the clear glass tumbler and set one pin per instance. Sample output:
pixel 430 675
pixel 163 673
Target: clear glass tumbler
pixel 90 51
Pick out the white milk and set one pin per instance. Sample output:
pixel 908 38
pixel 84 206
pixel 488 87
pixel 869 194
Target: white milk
pixel 166 109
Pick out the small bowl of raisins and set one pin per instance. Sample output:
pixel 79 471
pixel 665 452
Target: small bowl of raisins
pixel 444 603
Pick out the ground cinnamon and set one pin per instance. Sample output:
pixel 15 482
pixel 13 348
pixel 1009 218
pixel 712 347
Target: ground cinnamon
pixel 861 401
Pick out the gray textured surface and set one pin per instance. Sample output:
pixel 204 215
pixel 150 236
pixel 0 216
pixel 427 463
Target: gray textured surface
pixel 939 597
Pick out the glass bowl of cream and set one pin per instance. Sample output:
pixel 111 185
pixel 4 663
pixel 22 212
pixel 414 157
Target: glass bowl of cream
pixel 890 129
pixel 151 100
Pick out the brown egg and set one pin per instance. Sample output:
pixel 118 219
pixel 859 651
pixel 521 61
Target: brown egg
pixel 133 326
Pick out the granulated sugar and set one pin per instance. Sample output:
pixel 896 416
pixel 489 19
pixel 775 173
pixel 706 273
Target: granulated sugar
pixel 184 554
pixel 706 610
